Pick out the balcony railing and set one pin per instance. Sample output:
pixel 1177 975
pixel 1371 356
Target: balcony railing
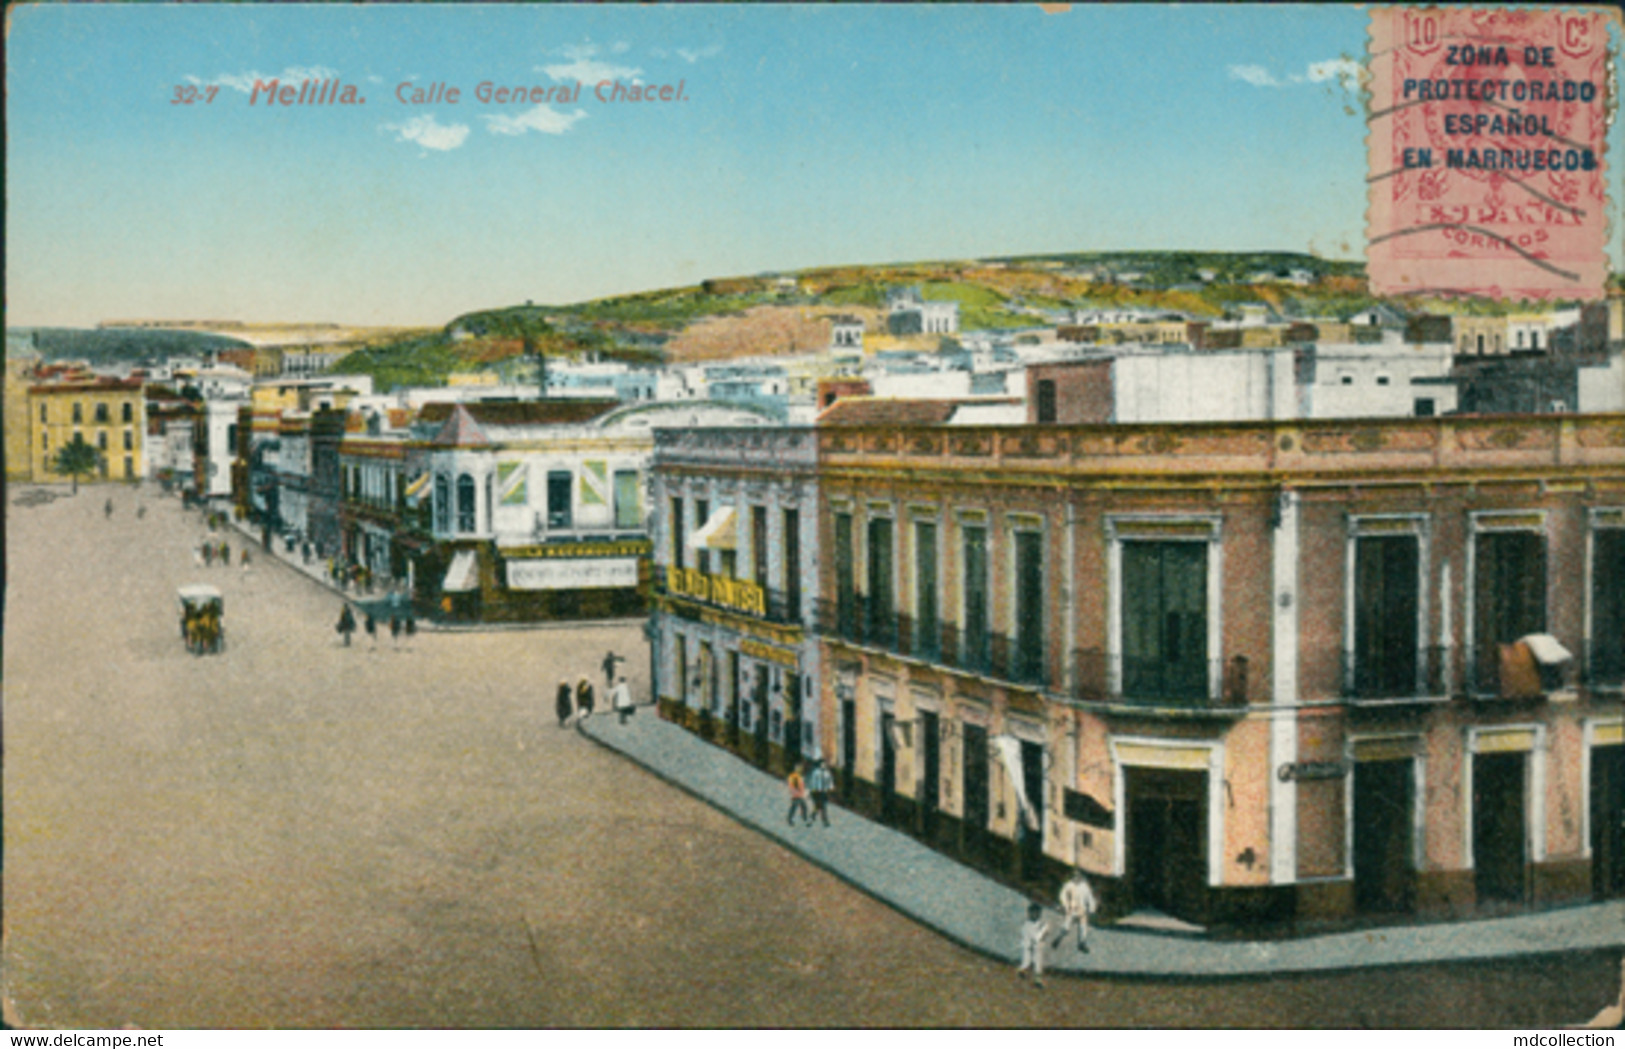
pixel 864 622
pixel 1603 665
pixel 1409 675
pixel 1101 678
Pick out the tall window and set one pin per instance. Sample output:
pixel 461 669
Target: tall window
pixel 101 413
pixel 1509 598
pixel 129 441
pixel 465 503
pixel 1385 616
pixel 442 504
pixel 129 412
pixel 558 498
pixel 1607 662
pixel 1164 625
pixel 792 564
pixel 702 514
pixel 1046 400
pixel 927 633
pixel 42 417
pixel 974 653
pixel 628 500
pixel 758 545
pixel 846 589
pixel 882 608
pixel 677 537
pixel 1029 639
pixel 78 412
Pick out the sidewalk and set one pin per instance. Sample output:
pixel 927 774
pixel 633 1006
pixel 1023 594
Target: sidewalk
pixel 986 916
pixel 384 603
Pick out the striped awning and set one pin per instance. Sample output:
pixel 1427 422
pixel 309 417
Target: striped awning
pixel 462 576
pixel 719 533
pixel 418 488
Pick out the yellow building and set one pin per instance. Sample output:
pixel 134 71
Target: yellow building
pixel 1479 336
pixel 109 413
pixel 19 373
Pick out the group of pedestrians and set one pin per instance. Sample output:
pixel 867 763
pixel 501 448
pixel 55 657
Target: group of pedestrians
pixel 398 625
pixel 1077 902
pixel 140 509
pixel 819 783
pixel 209 553
pixel 578 702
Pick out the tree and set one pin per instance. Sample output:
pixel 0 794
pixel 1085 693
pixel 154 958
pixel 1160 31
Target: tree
pixel 76 458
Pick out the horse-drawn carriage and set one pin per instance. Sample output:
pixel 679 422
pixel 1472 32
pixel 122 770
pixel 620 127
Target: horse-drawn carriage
pixel 201 612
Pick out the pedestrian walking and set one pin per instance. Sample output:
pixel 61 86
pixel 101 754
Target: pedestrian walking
pixel 584 698
pixel 140 511
pixel 411 629
pixel 107 510
pixel 208 554
pixel 245 559
pixel 620 700
pixel 1077 903
pixel 798 797
pixel 371 626
pixel 395 631
pixel 1033 934
pixel 562 704
pixel 822 784
pixel 346 624
pixel 610 659
pixel 225 554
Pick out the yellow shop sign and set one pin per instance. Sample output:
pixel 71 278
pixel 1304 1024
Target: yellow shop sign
pixel 736 594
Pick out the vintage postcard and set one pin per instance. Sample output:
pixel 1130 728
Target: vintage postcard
pixel 1045 516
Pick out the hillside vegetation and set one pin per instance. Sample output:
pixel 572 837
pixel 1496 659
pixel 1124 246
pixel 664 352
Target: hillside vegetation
pixel 789 313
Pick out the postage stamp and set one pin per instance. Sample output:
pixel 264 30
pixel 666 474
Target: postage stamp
pixel 1487 149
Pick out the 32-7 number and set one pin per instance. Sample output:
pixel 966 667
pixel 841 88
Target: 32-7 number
pixel 187 94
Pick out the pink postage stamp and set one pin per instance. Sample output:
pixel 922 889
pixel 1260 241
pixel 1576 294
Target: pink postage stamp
pixel 1487 145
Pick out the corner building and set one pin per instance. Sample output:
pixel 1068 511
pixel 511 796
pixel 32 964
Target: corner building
pixel 1240 673
pixel 735 657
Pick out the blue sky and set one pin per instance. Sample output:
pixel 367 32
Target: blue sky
pixel 808 135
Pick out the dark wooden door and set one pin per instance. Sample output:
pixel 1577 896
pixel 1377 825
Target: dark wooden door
pixel 1500 832
pixel 1167 840
pixel 1608 821
pixel 1384 820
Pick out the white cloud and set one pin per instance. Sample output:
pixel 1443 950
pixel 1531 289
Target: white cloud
pixel 1257 76
pixel 543 118
pixel 1345 71
pixel 244 82
pixel 583 65
pixel 429 133
pixel 691 55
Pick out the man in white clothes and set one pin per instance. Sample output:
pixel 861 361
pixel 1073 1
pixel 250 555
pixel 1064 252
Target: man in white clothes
pixel 1033 934
pixel 620 700
pixel 1077 903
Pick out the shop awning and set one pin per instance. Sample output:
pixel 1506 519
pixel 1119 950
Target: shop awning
pixel 718 533
pixel 418 488
pixel 461 577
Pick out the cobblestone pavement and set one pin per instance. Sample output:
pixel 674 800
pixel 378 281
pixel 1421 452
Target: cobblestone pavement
pixel 295 833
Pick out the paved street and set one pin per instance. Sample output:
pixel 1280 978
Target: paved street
pixel 298 834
